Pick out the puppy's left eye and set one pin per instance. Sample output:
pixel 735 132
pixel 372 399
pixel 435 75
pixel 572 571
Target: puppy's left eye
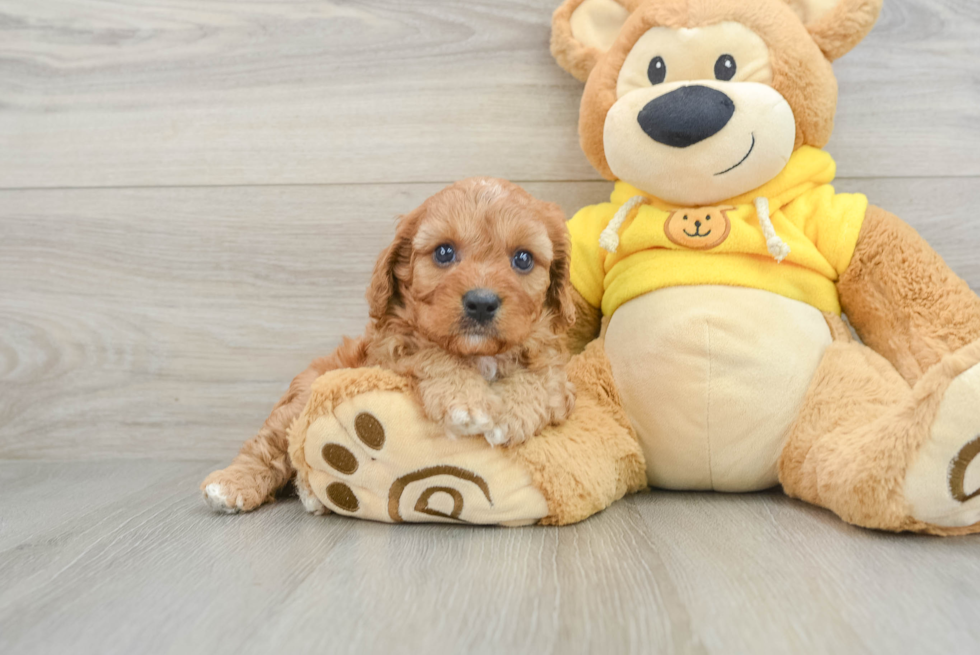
pixel 725 68
pixel 523 261
pixel 444 255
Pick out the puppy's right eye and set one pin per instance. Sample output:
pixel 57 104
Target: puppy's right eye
pixel 444 255
pixel 657 71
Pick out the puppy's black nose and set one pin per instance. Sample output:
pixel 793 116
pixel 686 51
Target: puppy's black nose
pixel 686 116
pixel 481 305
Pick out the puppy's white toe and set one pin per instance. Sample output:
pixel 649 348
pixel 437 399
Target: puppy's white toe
pixel 481 422
pixel 463 421
pixel 459 417
pixel 497 436
pixel 216 498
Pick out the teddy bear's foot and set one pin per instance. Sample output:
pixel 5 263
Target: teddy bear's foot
pixel 364 449
pixel 942 485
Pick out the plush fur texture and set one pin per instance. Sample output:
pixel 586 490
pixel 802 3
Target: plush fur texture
pixel 593 459
pixel 576 58
pixel 588 322
pixel 902 298
pixel 860 429
pixel 419 329
pixel 843 27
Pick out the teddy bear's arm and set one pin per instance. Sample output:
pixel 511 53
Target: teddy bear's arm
pixel 902 298
pixel 588 320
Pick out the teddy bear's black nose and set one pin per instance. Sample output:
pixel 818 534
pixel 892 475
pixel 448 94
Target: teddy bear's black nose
pixel 686 116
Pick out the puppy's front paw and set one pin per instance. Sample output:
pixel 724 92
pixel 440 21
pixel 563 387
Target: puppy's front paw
pixel 463 421
pixel 561 402
pixel 511 431
pixel 498 436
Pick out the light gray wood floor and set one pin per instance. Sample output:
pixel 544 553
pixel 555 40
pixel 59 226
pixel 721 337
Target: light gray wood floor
pixel 192 193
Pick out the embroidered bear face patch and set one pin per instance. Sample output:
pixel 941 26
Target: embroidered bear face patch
pixel 699 229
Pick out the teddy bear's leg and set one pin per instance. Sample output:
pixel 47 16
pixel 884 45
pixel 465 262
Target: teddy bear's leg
pixel 882 454
pixel 363 448
pixel 903 300
pixel 593 459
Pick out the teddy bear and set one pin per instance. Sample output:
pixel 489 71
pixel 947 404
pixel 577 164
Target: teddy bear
pixel 710 291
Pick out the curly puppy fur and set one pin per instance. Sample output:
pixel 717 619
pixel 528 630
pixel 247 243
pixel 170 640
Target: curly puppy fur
pixel 503 379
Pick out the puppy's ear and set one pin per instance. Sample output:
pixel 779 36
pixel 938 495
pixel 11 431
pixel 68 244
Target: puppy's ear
pixel 559 298
pixel 583 30
pixel 837 25
pixel 384 292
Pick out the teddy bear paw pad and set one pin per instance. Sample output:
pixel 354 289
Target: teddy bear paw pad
pixel 375 456
pixel 943 482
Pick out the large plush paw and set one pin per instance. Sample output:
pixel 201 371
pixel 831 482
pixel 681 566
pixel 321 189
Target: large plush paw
pixel 228 492
pixel 942 486
pixel 375 456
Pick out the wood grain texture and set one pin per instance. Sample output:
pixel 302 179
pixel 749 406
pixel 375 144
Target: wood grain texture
pixel 151 570
pixel 207 92
pixel 166 322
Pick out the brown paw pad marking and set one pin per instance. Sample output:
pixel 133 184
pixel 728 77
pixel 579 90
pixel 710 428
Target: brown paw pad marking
pixel 339 458
pixel 370 431
pixel 372 434
pixel 957 471
pixel 342 496
pixel 422 505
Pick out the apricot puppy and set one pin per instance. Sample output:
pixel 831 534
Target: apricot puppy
pixel 471 302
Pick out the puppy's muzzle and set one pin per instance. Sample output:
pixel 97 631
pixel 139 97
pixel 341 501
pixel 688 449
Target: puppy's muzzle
pixel 686 116
pixel 481 305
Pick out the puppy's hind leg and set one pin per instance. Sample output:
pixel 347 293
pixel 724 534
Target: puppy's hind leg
pixel 262 466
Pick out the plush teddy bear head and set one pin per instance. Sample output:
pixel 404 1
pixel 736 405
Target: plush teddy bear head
pixel 697 101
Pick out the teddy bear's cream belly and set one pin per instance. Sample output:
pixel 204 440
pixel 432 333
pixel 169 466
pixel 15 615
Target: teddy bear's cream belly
pixel 713 378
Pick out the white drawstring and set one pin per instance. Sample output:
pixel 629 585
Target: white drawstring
pixel 609 239
pixel 776 246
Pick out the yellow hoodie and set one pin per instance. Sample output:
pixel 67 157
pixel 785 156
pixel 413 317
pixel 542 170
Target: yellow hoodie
pixel 660 246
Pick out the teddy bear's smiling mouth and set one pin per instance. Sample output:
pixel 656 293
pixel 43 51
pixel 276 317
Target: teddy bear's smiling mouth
pixel 742 161
pixel 697 233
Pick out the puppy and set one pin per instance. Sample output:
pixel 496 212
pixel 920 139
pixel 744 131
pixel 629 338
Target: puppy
pixel 471 303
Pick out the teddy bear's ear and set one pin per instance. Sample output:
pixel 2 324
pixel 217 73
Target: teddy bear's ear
pixel 582 30
pixel 837 25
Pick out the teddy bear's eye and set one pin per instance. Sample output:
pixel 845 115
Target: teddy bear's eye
pixel 725 68
pixel 657 71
